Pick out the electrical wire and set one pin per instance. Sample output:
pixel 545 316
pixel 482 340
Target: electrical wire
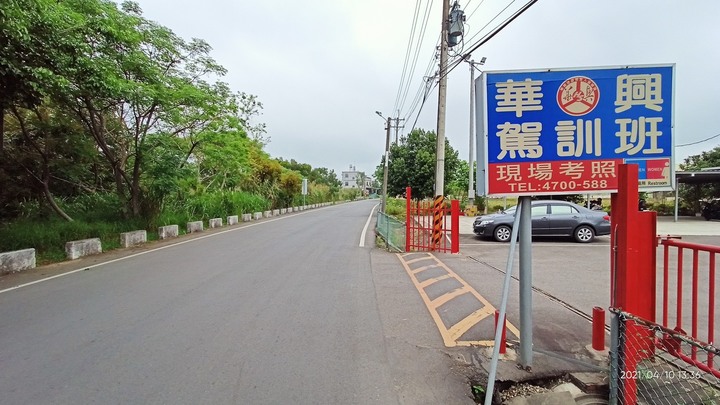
pixel 420 40
pixel 452 64
pixel 695 143
pixel 407 53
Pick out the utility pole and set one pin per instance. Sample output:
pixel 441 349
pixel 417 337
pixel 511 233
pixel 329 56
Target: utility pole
pixel 471 189
pixel 383 203
pixel 440 150
pixel 471 163
pixel 397 127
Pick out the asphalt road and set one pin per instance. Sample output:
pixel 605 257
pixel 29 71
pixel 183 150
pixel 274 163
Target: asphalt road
pixel 283 311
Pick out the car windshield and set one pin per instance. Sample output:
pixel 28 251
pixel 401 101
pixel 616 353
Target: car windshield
pixel 510 210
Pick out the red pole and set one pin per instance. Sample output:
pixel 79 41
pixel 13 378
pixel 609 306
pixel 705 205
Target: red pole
pixel 598 329
pixel 503 344
pixel 695 274
pixel 455 232
pixel 711 308
pixel 408 218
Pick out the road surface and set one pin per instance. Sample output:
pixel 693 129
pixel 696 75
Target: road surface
pixel 284 310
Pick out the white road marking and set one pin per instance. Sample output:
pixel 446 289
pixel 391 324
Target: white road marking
pixel 367 224
pixel 156 249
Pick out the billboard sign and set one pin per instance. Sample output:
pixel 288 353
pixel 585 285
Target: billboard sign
pixel 565 131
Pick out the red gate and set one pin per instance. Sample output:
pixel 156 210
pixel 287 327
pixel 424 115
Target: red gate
pixel 420 222
pixel 702 297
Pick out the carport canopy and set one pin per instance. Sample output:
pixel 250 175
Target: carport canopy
pixel 704 176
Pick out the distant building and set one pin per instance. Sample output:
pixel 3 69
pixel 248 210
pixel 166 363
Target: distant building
pixel 353 179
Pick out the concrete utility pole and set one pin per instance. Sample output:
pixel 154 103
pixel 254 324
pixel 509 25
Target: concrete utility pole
pixel 383 203
pixel 471 189
pixel 397 127
pixel 442 93
pixel 440 149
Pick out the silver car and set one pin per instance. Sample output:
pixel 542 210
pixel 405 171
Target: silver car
pixel 549 218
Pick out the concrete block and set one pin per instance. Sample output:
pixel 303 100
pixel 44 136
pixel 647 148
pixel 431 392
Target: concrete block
pixel 257 215
pixel 215 223
pixel 196 226
pixel 18 260
pixel 232 220
pixel 591 383
pixel 168 231
pixel 275 213
pixel 283 211
pixel 295 209
pixel 133 238
pixel 246 217
pixel 267 214
pixel 78 248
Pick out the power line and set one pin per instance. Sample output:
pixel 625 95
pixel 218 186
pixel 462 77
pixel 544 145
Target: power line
pixel 695 143
pixel 489 36
pixel 420 40
pixel 407 52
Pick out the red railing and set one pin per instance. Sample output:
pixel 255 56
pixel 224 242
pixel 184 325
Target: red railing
pixel 420 225
pixel 703 295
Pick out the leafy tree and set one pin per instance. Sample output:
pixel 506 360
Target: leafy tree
pixel 692 194
pixel 412 163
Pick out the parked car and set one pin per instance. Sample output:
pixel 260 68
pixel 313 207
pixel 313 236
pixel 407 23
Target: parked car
pixel 711 209
pixel 549 218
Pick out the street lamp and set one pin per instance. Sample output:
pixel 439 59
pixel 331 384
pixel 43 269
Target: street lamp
pixel 387 158
pixel 471 191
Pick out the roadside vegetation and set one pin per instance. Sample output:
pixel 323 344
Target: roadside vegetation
pixel 110 122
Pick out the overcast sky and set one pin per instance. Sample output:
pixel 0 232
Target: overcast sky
pixel 322 68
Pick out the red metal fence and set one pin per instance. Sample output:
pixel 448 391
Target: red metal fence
pixel 421 223
pixel 701 300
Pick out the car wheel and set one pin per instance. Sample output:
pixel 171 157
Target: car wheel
pixel 584 234
pixel 502 233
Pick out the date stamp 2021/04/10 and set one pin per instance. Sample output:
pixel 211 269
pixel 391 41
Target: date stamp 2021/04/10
pixel 657 374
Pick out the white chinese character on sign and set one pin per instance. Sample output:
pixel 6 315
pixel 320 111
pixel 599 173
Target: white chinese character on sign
pixel 574 170
pixel 645 90
pixel 603 169
pixel 509 173
pixel 519 96
pixel 640 132
pixel 523 140
pixel 541 171
pixel 578 138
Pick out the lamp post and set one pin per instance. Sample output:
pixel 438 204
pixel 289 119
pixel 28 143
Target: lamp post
pixel 387 158
pixel 471 189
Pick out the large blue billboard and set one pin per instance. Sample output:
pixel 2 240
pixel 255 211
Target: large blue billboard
pixel 566 130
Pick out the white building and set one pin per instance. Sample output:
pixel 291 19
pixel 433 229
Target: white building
pixel 353 179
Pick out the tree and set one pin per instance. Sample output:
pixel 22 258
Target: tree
pixel 412 163
pixel 693 194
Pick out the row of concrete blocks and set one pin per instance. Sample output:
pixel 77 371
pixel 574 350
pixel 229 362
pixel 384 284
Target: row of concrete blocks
pixel 25 259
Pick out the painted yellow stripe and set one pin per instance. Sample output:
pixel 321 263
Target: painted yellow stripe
pixel 423 268
pixel 431 281
pixel 451 335
pixel 429 257
pixel 439 301
pixel 471 320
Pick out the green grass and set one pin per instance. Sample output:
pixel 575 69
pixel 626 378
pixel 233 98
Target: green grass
pixel 99 216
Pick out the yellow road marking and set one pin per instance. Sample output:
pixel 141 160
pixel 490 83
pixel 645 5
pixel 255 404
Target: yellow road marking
pixel 439 301
pixel 451 334
pixel 434 280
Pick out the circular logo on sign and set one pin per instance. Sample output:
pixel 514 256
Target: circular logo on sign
pixel 578 95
